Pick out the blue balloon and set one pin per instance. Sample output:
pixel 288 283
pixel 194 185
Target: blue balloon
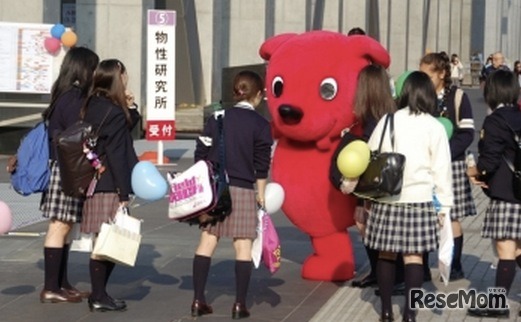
pixel 147 181
pixel 57 30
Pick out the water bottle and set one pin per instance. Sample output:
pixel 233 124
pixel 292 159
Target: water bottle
pixel 436 202
pixel 469 160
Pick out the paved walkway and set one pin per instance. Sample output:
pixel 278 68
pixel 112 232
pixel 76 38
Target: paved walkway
pixel 159 287
pixel 352 304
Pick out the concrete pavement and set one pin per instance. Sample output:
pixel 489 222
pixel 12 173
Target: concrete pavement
pixel 159 287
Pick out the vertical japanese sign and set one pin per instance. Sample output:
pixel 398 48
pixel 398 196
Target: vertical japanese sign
pixel 161 75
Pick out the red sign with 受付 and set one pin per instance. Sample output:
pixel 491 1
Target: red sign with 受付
pixel 160 130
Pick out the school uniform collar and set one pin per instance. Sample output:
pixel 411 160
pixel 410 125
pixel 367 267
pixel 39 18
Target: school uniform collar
pixel 245 105
pixel 504 105
pixel 441 93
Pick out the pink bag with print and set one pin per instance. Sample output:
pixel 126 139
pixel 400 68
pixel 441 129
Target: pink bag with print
pixel 270 245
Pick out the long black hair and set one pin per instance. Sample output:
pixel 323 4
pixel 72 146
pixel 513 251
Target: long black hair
pixel 77 71
pixel 418 94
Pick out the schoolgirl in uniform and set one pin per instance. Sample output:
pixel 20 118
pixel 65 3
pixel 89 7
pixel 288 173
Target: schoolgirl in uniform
pixel 407 223
pixel 497 147
pixel 67 96
pixel 454 105
pixel 248 141
pixel 111 110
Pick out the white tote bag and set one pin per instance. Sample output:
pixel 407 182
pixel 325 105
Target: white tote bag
pixel 119 242
pixel 123 219
pixel 446 247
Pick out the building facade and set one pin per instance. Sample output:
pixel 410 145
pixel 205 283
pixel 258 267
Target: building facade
pixel 218 34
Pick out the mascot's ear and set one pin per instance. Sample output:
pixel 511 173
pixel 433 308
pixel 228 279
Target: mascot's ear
pixel 367 47
pixel 270 46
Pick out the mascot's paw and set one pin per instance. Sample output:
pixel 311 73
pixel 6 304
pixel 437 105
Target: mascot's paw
pixel 333 259
pixel 332 268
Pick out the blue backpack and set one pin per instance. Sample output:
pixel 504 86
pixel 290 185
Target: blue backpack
pixel 32 172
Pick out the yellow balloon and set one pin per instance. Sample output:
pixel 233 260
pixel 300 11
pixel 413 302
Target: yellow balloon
pixel 362 148
pixel 351 163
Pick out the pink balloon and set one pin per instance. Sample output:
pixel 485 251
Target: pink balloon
pixel 52 45
pixel 6 219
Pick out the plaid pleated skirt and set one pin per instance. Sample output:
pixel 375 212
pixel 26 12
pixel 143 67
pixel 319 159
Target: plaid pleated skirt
pixel 55 204
pixel 502 220
pixel 98 209
pixel 242 222
pixel 463 200
pixel 402 228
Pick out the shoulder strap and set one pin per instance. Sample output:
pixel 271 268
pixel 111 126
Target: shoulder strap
pixel 391 129
pixel 222 151
pixel 518 142
pixel 458 97
pixel 388 119
pixel 103 120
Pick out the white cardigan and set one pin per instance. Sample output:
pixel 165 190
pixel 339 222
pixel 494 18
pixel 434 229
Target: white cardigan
pixel 423 141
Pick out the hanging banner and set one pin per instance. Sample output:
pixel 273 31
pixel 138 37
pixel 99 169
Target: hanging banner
pixel 160 100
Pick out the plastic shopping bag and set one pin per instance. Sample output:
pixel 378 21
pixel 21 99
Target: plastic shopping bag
pixel 446 247
pixel 271 254
pixel 256 250
pixel 80 242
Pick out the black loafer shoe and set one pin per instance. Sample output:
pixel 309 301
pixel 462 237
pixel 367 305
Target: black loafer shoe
pixel 239 311
pixel 58 297
pixel 488 313
pixel 199 308
pixel 104 306
pixel 366 281
pixel 118 301
pixel 398 290
pixel 74 292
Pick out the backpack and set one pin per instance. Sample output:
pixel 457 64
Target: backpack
pixel 76 171
pixel 77 160
pixel 32 173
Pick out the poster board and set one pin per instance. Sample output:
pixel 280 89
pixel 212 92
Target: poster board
pixel 26 65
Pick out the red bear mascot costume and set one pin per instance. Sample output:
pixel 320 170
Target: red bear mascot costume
pixel 311 80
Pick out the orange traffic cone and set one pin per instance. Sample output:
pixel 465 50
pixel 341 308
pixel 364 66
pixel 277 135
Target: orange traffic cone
pixel 152 157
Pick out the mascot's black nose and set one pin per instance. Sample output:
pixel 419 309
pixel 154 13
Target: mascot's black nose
pixel 290 115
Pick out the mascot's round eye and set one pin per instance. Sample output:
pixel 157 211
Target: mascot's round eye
pixel 277 85
pixel 328 89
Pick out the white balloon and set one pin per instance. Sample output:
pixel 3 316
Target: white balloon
pixel 273 197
